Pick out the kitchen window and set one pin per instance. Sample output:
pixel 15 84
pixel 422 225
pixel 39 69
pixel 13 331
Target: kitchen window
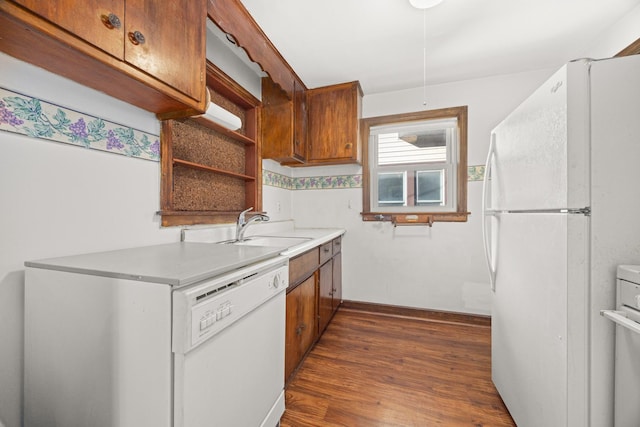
pixel 415 166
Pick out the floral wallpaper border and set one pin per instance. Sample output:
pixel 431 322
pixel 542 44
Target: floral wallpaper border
pixel 474 173
pixel 25 115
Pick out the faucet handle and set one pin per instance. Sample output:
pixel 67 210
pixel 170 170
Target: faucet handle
pixel 241 216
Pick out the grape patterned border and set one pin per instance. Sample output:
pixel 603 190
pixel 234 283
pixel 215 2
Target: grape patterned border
pixel 474 173
pixel 26 115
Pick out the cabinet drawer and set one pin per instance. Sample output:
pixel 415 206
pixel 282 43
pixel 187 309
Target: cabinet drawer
pixel 301 266
pixel 326 252
pixel 337 245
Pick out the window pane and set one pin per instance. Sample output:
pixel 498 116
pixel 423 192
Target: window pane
pixel 430 187
pixel 391 189
pixel 422 147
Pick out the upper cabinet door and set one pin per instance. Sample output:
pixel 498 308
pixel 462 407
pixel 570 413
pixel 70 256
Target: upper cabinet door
pixel 299 120
pixel 284 122
pixel 99 22
pixel 334 119
pixel 166 39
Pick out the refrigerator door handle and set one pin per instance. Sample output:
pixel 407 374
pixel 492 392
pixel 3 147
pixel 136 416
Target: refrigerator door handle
pixel 487 214
pixel 620 317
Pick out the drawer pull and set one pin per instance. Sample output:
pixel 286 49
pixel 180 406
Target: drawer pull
pixel 300 328
pixel 136 38
pixel 111 21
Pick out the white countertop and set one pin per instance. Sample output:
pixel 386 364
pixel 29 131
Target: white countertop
pixel 318 237
pixel 315 236
pixel 176 264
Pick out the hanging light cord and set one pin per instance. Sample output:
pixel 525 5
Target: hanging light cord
pixel 424 57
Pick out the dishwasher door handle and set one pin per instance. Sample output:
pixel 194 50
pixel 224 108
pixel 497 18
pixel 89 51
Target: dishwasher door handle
pixel 620 317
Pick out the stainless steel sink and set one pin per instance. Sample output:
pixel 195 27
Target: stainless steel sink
pixel 277 241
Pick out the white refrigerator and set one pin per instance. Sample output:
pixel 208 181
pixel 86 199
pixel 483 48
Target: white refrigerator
pixel 561 210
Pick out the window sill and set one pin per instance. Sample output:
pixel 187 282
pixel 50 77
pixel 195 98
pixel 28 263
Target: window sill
pixel 423 218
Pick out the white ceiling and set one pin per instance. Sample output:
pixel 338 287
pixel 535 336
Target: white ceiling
pixel 381 42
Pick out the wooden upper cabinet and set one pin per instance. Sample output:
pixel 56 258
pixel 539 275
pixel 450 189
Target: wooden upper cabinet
pixel 334 124
pixel 300 119
pixel 174 41
pixel 284 122
pixel 149 53
pixel 95 21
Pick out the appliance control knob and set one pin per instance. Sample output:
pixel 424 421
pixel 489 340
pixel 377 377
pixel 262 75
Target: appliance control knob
pixel 276 280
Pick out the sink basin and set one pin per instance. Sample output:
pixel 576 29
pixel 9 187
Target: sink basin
pixel 282 242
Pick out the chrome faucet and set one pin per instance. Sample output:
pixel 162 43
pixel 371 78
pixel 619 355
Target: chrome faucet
pixel 242 224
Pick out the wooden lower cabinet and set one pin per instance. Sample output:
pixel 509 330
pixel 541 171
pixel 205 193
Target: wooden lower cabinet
pixel 315 292
pixel 325 295
pixel 336 297
pixel 301 325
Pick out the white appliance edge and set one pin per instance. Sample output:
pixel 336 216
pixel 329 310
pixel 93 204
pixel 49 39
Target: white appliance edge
pixel 577 152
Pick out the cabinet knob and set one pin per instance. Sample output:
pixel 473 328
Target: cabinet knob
pixel 348 145
pixel 300 328
pixel 111 21
pixel 136 38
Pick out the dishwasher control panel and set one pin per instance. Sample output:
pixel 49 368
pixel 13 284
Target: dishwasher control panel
pixel 203 310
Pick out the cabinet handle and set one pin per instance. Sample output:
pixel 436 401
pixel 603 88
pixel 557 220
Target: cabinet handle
pixel 136 38
pixel 327 249
pixel 111 21
pixel 300 328
pixel 348 146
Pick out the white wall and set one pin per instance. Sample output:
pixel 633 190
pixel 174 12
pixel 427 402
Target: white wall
pixel 616 38
pixel 59 199
pixel 438 268
pixel 276 201
pixel 443 267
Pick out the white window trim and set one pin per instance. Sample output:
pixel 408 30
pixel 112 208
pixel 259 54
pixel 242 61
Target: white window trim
pixel 449 168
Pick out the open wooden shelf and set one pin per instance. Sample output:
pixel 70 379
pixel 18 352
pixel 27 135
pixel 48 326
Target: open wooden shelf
pixel 223 130
pixel 212 170
pixel 211 173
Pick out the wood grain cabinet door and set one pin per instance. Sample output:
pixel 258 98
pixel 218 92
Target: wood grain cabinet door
pixel 334 124
pixel 299 121
pixel 337 280
pixel 308 323
pixel 325 295
pixel 292 348
pixel 166 39
pixel 99 22
pixel 301 324
pixel 284 122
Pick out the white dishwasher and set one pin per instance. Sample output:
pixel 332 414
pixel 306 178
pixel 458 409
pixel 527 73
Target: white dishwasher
pixel 177 335
pixel 228 340
pixel 627 351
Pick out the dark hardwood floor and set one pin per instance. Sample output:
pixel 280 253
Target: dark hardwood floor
pixel 374 370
